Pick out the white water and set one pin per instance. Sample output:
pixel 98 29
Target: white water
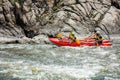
pixel 49 62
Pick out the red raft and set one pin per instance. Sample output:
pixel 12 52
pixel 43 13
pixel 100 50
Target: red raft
pixel 67 42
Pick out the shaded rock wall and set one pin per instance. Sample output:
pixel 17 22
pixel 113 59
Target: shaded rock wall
pixel 30 18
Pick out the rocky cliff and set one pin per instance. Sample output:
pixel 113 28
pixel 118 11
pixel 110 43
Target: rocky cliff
pixel 38 19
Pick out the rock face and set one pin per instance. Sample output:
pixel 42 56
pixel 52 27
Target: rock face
pixel 30 18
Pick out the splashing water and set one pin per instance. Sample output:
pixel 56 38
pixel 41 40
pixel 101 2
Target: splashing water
pixel 49 62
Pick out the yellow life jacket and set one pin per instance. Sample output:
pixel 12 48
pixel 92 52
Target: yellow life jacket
pixel 71 36
pixel 100 38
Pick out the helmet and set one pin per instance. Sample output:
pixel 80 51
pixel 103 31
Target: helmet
pixel 100 37
pixel 95 31
pixel 59 35
pixel 72 32
pixel 98 32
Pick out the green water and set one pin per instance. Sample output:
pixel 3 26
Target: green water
pixel 49 62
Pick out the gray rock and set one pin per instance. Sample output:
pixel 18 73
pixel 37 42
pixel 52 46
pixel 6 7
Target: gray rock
pixel 111 20
pixel 28 2
pixel 1 9
pixel 17 5
pixel 26 8
pixel 30 18
pixel 2 19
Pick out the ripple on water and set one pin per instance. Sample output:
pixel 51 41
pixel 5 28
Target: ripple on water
pixel 48 62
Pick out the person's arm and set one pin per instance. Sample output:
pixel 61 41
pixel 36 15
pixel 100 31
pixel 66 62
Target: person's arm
pixel 92 36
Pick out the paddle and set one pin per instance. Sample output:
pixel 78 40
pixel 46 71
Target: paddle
pixel 77 41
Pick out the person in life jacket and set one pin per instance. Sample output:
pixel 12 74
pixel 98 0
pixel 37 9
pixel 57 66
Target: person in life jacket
pixel 94 35
pixel 72 36
pixel 97 37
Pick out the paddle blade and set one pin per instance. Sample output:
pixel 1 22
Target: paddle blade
pixel 77 41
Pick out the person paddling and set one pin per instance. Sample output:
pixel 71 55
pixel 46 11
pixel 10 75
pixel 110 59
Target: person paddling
pixel 94 35
pixel 72 36
pixel 97 37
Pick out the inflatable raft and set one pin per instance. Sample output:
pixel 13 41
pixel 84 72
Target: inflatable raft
pixel 86 42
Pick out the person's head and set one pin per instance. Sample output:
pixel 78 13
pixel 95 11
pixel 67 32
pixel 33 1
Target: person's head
pixel 95 31
pixel 71 32
pixel 98 34
pixel 100 37
pixel 59 35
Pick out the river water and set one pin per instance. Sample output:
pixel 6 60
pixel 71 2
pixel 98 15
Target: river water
pixel 50 62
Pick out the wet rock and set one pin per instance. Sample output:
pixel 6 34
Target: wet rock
pixel 41 39
pixel 8 40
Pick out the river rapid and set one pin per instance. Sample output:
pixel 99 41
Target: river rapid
pixel 50 62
